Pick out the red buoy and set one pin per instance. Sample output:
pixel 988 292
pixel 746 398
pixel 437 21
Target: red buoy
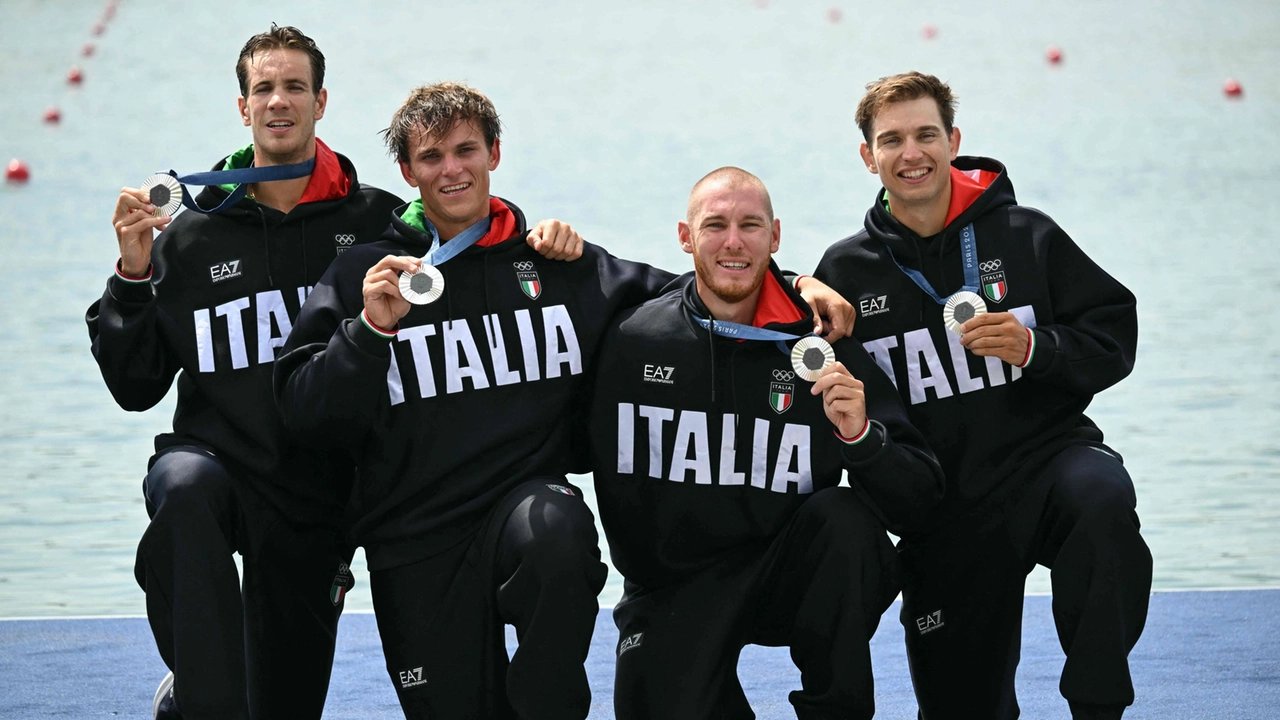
pixel 99 28
pixel 834 15
pixel 52 115
pixel 87 50
pixel 1232 88
pixel 74 76
pixel 1053 54
pixel 929 32
pixel 17 171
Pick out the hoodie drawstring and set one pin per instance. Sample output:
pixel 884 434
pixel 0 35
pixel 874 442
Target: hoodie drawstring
pixel 266 244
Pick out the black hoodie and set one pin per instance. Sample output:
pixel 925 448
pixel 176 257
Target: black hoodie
pixel 991 424
pixel 224 292
pixel 473 395
pixel 704 446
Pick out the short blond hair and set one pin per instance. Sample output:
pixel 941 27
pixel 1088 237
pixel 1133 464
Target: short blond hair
pixel 732 177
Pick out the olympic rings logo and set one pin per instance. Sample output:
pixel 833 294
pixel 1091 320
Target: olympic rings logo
pixel 989 266
pixel 344 240
pixel 783 375
pixel 523 265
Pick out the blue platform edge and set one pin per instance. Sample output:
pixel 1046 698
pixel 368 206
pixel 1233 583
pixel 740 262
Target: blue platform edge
pixel 1204 654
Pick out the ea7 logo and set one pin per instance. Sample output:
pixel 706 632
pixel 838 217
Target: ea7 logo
pixel 224 271
pixel 412 678
pixel 660 374
pixel 868 307
pixel 630 642
pixel 930 622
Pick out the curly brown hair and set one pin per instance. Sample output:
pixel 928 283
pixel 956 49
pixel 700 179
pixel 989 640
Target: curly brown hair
pixel 903 88
pixel 435 110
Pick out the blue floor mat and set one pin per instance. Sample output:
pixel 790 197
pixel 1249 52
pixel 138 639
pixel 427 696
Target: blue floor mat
pixel 1210 654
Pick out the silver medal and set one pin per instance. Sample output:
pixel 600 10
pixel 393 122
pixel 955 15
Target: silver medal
pixel 810 356
pixel 165 192
pixel 960 308
pixel 423 287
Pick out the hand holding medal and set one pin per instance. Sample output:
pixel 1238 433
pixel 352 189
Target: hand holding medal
pixel 843 399
pixel 999 335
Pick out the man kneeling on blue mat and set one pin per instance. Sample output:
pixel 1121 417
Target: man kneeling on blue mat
pixel 717 459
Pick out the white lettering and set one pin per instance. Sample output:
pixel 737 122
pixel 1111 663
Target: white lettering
pixel 502 374
pixel 693 425
pixel 235 330
pixel 960 361
pixel 795 444
pixel 457 336
pixel 760 454
pixel 879 350
pixel 556 323
pixel 527 345
pixel 917 344
pixel 626 438
pixel 656 416
pixel 204 340
pixel 728 455
pixel 417 339
pixel 395 386
pixel 271 306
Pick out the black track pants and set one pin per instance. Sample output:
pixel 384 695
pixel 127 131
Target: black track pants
pixel 963 594
pixel 819 588
pixel 263 653
pixel 535 564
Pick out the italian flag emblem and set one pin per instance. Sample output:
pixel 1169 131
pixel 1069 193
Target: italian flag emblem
pixel 780 395
pixel 342 582
pixel 528 278
pixel 994 286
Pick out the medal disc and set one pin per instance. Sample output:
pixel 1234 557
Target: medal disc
pixel 165 192
pixel 422 287
pixel 960 308
pixel 810 356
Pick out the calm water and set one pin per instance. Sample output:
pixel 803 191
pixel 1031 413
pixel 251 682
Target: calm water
pixel 612 111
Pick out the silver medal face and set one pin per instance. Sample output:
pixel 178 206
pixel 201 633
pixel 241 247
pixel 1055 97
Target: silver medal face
pixel 423 287
pixel 164 192
pixel 810 356
pixel 960 308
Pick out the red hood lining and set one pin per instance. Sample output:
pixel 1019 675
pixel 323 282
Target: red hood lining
pixel 502 223
pixel 775 306
pixel 328 180
pixel 966 187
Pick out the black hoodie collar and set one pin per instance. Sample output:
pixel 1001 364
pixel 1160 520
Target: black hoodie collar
pixel 249 210
pixel 406 234
pixel 908 247
pixel 693 305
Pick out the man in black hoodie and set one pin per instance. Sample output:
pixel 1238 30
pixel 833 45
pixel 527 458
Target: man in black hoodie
pixel 210 303
pixel 716 472
pixel 459 413
pixel 998 330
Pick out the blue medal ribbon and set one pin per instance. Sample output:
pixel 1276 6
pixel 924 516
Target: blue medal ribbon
pixel 968 252
pixel 738 331
pixel 242 177
pixel 441 253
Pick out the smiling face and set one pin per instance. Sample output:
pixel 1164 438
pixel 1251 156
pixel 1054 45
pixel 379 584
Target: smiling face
pixel 282 107
pixel 731 234
pixel 452 176
pixel 912 152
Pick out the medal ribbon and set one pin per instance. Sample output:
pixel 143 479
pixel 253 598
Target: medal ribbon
pixel 969 253
pixel 441 253
pixel 738 331
pixel 242 177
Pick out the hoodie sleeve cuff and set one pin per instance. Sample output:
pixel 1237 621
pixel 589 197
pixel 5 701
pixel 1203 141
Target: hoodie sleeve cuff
pixel 865 445
pixel 126 288
pixel 1040 351
pixel 368 337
